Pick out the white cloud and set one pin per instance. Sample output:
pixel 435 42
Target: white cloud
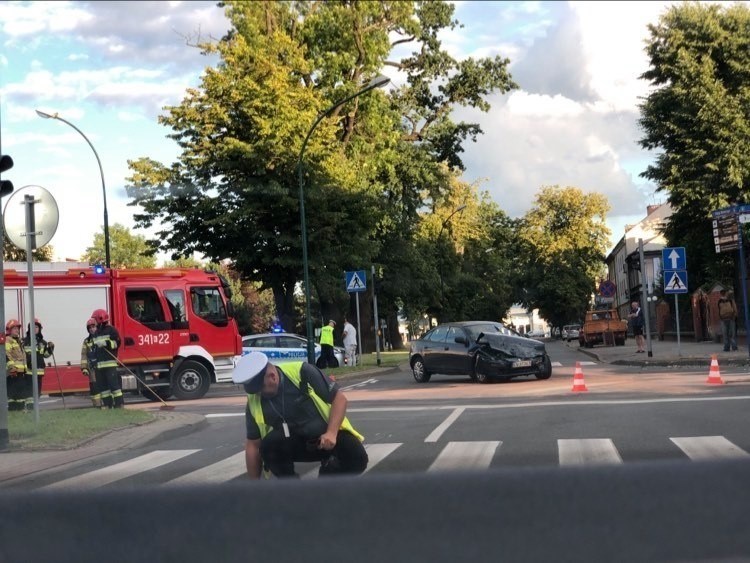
pixel 522 103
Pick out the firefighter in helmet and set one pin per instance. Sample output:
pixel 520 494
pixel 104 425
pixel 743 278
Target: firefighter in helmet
pixel 88 362
pixel 44 350
pixel 107 343
pixel 19 386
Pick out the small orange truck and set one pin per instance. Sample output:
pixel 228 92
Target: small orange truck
pixel 603 326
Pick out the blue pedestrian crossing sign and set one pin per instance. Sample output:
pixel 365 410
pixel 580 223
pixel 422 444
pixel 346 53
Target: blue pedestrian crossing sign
pixel 675 281
pixel 356 282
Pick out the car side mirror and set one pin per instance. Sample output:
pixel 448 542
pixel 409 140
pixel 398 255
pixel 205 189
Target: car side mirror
pixel 461 340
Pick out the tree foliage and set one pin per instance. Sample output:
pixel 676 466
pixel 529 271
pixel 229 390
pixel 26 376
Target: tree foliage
pixel 697 118
pixel 11 253
pixel 126 249
pixel 564 238
pixel 369 168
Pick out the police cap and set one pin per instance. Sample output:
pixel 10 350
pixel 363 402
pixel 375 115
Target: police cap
pixel 250 370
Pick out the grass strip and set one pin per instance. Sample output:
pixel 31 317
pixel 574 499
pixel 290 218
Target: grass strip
pixel 60 429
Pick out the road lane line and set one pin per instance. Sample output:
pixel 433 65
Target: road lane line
pixel 701 448
pixel 219 472
pixel 435 434
pixel 465 455
pixel 360 384
pixel 112 473
pixel 375 452
pixel 573 402
pixel 592 451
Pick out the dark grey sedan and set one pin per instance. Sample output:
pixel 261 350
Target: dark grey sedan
pixel 483 350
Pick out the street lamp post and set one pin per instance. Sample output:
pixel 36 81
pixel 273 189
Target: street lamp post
pixel 440 234
pixel 101 172
pixel 377 82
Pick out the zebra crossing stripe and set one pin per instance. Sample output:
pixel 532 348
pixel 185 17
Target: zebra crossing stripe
pixel 587 452
pixel 435 434
pixel 701 448
pixel 465 455
pixel 375 452
pixel 219 472
pixel 112 473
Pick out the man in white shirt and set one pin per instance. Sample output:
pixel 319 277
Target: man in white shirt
pixel 350 343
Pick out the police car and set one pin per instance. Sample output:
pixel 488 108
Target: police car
pixel 283 346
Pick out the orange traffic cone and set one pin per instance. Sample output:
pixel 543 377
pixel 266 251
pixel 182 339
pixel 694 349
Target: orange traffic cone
pixel 714 375
pixel 578 383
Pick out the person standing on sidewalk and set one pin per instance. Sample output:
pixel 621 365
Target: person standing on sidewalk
pixel 44 350
pixel 88 363
pixel 107 342
pixel 636 323
pixel 728 316
pixel 350 343
pixel 19 386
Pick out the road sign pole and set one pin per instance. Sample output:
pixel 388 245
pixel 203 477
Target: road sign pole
pixel 377 319
pixel 359 334
pixel 677 320
pixel 743 273
pixel 644 298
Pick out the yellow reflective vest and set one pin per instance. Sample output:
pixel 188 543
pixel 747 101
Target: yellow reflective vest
pixel 292 372
pixel 326 335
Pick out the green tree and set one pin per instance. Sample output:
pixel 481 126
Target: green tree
pixel 11 253
pixel 696 118
pixel 126 249
pixel 564 233
pixel 233 194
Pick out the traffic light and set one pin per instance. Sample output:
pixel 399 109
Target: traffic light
pixel 6 187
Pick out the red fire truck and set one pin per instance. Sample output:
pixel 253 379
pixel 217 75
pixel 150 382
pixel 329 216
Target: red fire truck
pixel 176 325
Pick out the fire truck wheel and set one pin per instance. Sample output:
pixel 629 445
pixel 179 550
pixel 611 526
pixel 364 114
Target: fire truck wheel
pixel 191 380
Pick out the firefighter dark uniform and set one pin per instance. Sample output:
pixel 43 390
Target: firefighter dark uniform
pixel 44 350
pixel 88 363
pixel 291 424
pixel 107 343
pixel 17 382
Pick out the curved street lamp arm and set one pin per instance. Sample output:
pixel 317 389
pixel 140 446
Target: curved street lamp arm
pixel 101 173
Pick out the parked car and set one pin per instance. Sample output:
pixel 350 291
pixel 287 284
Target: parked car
pixel 571 332
pixel 482 350
pixel 283 346
pixel 536 333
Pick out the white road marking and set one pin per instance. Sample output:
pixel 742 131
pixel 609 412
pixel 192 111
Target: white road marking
pixel 375 452
pixel 587 451
pixel 556 365
pixel 219 472
pixel 465 455
pixel 112 473
pixel 435 434
pixel 709 447
pixel 360 384
pixel 577 403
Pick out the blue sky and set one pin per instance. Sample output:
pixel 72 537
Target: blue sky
pixel 109 68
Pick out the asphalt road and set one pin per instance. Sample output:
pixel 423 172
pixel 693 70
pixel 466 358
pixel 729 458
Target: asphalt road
pixel 628 415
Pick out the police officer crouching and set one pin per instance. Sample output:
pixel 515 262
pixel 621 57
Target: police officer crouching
pixel 295 413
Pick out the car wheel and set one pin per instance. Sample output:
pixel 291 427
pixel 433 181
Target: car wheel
pixel 479 375
pixel 421 375
pixel 547 370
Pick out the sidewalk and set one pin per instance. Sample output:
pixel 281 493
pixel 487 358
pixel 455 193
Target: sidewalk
pixel 666 353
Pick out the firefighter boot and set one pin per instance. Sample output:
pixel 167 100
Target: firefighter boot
pixel 96 398
pixel 106 401
pixel 118 399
